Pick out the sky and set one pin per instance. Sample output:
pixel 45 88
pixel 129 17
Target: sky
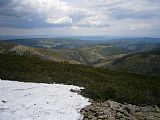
pixel 80 17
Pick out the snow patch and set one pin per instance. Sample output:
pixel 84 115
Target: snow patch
pixel 38 101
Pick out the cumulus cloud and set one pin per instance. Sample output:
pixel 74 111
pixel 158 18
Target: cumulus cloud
pixel 50 11
pixel 107 14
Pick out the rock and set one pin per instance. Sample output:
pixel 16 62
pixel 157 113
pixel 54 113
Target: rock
pixel 113 105
pixel 3 101
pixel 148 109
pixel 75 91
pixel 111 110
pixel 103 116
pixel 131 108
pixel 85 118
pixel 111 118
pixel 94 118
pixel 157 109
pixel 119 115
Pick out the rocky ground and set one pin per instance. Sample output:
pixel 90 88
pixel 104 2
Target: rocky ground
pixel 111 110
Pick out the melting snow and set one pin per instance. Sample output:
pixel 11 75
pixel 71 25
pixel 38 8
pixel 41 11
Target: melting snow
pixel 38 101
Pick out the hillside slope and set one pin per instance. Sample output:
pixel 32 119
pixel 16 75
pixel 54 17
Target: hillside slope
pixel 146 63
pixel 100 84
pixel 91 52
pixel 98 55
pixel 71 56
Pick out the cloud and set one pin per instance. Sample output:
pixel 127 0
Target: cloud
pixel 93 21
pixel 62 20
pixel 139 26
pixel 56 11
pixel 121 9
pixel 104 14
pixel 50 11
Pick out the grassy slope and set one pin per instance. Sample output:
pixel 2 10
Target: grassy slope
pixel 100 84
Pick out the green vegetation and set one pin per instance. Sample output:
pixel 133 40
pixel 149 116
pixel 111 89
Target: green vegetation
pixel 6 46
pixel 96 53
pixel 146 63
pixel 46 54
pixel 100 84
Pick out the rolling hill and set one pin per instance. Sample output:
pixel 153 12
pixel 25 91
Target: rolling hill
pixel 146 63
pixel 45 54
pixel 54 43
pixel 93 53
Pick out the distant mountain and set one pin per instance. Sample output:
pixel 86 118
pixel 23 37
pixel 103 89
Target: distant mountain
pixel 54 43
pixel 81 42
pixel 95 38
pixel 135 40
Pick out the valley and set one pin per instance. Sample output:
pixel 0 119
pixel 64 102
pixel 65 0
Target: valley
pixel 93 53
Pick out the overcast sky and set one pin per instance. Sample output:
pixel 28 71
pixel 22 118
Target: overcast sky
pixel 80 17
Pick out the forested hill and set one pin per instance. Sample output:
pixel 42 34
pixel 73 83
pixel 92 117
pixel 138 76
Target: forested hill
pixel 146 63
